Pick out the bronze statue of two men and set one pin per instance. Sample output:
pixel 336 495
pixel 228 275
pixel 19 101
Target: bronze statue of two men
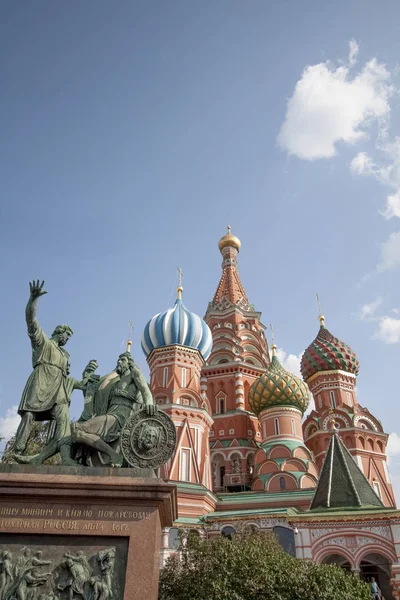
pixel 109 400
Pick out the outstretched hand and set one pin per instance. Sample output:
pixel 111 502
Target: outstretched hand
pixel 89 371
pixel 91 366
pixel 151 409
pixel 36 289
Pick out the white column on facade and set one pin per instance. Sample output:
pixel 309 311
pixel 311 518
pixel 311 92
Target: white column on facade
pixel 203 387
pixel 164 550
pixel 239 391
pixel 303 543
pixel 164 537
pixel 396 539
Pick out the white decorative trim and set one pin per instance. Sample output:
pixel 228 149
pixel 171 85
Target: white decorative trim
pixel 336 416
pixel 365 418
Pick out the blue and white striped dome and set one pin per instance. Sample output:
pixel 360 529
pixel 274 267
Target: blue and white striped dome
pixel 177 326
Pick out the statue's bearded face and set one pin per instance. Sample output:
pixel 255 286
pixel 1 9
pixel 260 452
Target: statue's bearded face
pixel 63 338
pixel 122 365
pixel 150 438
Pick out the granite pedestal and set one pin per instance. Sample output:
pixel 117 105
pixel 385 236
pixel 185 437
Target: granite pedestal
pixel 89 514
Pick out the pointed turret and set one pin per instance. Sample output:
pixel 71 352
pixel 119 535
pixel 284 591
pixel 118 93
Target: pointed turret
pixel 330 368
pixel 230 290
pixel 342 483
pixel 238 357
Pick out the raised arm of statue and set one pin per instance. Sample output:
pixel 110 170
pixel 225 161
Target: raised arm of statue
pixel 34 329
pixel 89 371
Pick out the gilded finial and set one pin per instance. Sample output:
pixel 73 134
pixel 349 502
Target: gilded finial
pixel 229 240
pixel 331 420
pixel 321 317
pixel 179 289
pixel 129 342
pixel 273 347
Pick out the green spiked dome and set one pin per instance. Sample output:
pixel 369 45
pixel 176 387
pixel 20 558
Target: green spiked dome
pixel 328 353
pixel 278 387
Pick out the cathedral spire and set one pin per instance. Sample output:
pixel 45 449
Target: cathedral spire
pixel 230 290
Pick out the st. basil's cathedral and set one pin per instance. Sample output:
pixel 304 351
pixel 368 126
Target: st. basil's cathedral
pixel 244 455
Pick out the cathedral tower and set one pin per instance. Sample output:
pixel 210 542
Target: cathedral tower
pixel 239 356
pixel 177 343
pixel 283 463
pixel 330 368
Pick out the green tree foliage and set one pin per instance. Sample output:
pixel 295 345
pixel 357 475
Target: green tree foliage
pixel 252 567
pixel 35 444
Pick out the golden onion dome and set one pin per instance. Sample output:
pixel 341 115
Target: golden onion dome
pixel 229 240
pixel 278 387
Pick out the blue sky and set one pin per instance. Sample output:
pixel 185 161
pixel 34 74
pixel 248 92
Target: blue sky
pixel 133 132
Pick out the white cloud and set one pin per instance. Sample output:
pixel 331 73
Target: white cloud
pixel 393 459
pixel 353 52
pixel 362 164
pixel 290 362
pixel 367 311
pixel 9 423
pixel 392 205
pixel 393 446
pixel 390 252
pixel 388 330
pixel 328 106
pixel 386 171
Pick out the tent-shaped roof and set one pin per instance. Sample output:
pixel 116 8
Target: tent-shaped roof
pixel 342 483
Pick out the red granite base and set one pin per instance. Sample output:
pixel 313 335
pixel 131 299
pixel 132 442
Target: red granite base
pixel 58 509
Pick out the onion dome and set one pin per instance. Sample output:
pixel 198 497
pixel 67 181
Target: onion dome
pixel 328 353
pixel 229 240
pixel 278 387
pixel 177 326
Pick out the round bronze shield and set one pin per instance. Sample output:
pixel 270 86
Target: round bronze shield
pixel 147 441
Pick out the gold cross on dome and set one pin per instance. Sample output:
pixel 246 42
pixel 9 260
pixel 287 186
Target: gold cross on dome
pixel 320 315
pixel 180 276
pixel 129 342
pixel 319 305
pixel 272 334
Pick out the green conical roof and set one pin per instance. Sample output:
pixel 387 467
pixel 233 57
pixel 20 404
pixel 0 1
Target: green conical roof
pixel 342 483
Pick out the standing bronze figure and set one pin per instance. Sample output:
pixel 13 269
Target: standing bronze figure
pixel 48 390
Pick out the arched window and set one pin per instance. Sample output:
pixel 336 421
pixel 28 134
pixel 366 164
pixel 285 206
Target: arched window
pixel 165 377
pixel 276 424
pixel 282 483
pixel 173 538
pixel 337 559
pixel 228 531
